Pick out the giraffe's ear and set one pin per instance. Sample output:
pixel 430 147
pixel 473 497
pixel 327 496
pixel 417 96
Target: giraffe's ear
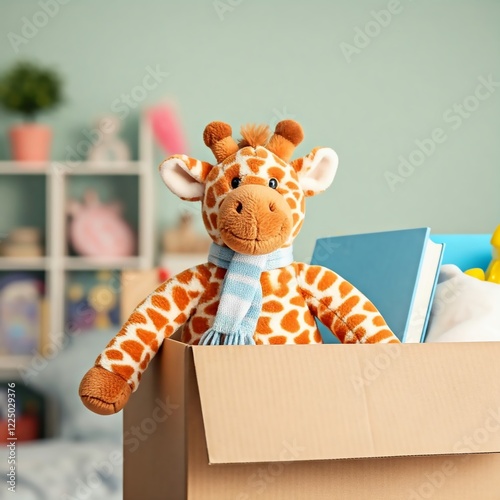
pixel 316 170
pixel 185 176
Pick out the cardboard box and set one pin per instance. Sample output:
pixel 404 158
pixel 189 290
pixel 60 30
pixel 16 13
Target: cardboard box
pixel 410 421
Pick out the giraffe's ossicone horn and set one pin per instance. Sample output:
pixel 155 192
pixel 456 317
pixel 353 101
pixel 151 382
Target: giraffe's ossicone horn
pixel 218 137
pixel 288 134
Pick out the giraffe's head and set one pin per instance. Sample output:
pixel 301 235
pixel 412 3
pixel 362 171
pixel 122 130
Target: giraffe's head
pixel 253 198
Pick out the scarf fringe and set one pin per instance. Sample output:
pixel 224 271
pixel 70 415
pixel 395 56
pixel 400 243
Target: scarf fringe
pixel 214 337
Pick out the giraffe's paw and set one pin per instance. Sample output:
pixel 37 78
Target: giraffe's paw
pixel 103 392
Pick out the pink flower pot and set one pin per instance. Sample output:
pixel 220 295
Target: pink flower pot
pixel 30 142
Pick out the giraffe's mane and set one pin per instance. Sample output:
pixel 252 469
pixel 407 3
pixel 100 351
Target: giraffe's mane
pixel 254 135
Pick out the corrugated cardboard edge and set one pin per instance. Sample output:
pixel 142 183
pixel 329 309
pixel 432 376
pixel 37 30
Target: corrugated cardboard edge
pixel 154 445
pixel 345 402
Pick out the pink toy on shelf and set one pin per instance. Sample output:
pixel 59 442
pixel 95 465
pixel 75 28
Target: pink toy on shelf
pixel 98 230
pixel 166 128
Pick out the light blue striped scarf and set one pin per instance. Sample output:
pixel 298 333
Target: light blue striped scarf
pixel 241 297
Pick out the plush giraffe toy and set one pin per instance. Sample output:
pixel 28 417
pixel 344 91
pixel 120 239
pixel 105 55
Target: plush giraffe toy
pixel 251 291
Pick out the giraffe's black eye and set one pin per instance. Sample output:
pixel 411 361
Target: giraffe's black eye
pixel 273 183
pixel 235 182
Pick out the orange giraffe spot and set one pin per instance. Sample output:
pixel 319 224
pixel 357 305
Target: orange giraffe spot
pixel 369 307
pixel 312 274
pixel 137 317
pixel 303 205
pixel 297 164
pixel 263 325
pixel 345 288
pixel 309 192
pixel 254 164
pixel 381 335
pixel 291 203
pixel 317 337
pixel 206 220
pixel 277 339
pixel 378 321
pixel 160 302
pixel 326 301
pixel 283 279
pixel 289 321
pixel 308 318
pixel 185 277
pixel 199 324
pixel 180 319
pixel 133 348
pixel 346 307
pixel 298 300
pixel 180 297
pixel 193 294
pixel 98 360
pixel 144 362
pixel 186 335
pixel 220 272
pixel 355 320
pixel 154 346
pixel 232 172
pixel 221 187
pixel 211 292
pixel 124 371
pixel 296 218
pixel 192 162
pixel 272 306
pixel 205 169
pixel 146 336
pixel 158 320
pixel 213 220
pixel 211 309
pixel 276 172
pixel 169 330
pixel 203 275
pixel 293 186
pixel 261 153
pixel 340 329
pixel 114 354
pixel 210 198
pixel 303 338
pixel 326 281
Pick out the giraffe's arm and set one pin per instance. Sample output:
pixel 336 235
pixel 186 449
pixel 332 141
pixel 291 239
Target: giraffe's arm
pixel 106 387
pixel 341 307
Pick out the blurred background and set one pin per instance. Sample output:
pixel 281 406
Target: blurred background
pixel 93 95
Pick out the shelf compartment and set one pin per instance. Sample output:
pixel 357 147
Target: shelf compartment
pixel 99 168
pixel 23 263
pixel 97 263
pixel 24 168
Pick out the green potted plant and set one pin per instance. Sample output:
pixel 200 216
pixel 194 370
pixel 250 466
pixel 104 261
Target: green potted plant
pixel 29 89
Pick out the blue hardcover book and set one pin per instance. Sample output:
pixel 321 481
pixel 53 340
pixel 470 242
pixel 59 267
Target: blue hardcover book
pixel 396 270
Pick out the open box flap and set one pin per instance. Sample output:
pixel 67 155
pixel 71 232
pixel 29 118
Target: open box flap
pixel 317 402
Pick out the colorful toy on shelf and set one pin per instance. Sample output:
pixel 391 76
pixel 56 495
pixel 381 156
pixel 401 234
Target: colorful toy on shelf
pixel 110 147
pixel 92 301
pixel 20 313
pixel 98 229
pixel 492 272
pixel 23 242
pixel 251 291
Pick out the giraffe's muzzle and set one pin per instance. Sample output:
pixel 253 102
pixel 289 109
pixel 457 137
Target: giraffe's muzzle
pixel 255 220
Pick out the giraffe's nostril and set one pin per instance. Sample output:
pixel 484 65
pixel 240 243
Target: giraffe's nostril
pixel 239 207
pixel 272 207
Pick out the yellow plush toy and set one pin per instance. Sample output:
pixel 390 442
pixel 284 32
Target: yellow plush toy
pixel 492 273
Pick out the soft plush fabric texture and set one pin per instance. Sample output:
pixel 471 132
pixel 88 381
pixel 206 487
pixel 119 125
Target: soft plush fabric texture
pixel 465 309
pixel 241 298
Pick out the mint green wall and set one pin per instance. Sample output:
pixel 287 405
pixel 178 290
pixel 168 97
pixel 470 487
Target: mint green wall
pixel 266 58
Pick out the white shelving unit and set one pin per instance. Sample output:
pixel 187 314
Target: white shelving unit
pixel 57 262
